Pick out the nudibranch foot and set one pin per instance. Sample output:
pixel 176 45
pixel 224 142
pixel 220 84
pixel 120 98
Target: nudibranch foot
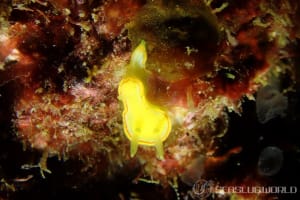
pixel 159 150
pixel 133 146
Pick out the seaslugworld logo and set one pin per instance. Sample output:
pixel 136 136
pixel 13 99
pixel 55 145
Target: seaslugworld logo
pixel 202 189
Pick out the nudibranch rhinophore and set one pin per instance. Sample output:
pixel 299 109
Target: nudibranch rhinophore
pixel 144 123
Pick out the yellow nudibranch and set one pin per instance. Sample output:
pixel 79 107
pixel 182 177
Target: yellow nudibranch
pixel 144 123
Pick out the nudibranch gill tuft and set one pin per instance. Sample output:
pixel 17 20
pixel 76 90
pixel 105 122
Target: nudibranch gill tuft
pixel 144 123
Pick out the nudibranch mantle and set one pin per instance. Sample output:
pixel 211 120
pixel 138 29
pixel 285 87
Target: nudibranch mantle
pixel 144 123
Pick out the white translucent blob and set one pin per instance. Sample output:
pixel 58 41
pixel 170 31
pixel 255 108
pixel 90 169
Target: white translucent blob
pixel 270 161
pixel 270 103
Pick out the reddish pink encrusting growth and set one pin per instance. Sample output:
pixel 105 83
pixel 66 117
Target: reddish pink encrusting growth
pixel 113 15
pixel 66 122
pixel 17 64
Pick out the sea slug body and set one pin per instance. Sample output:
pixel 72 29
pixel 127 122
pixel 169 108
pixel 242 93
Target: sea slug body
pixel 144 123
